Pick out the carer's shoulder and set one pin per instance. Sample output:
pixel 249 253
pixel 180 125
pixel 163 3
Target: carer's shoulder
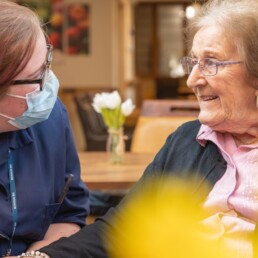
pixel 59 112
pixel 59 106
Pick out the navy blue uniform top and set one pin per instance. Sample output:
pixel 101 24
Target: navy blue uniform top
pixel 43 157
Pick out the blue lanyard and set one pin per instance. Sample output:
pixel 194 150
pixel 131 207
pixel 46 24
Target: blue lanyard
pixel 13 200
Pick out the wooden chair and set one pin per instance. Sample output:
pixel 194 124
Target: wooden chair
pixel 95 131
pixel 158 119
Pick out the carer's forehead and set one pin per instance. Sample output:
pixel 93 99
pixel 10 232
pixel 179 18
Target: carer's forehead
pixel 37 60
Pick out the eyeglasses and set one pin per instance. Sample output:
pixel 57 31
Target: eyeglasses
pixel 207 66
pixel 43 78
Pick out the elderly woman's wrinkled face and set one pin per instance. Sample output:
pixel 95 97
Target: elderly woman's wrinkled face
pixel 228 98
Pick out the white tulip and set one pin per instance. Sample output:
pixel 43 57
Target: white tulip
pixel 127 107
pixel 113 118
pixel 99 101
pixel 112 100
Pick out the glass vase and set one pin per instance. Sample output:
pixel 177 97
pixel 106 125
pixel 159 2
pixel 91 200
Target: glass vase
pixel 116 145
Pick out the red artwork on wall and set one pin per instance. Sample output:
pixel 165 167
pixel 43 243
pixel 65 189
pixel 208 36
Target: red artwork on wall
pixel 67 24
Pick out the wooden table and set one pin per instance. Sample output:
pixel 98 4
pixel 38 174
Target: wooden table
pixel 100 174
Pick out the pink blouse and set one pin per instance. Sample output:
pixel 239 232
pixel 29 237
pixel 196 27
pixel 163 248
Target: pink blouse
pixel 232 204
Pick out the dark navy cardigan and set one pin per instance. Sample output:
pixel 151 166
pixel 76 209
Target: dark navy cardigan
pixel 182 156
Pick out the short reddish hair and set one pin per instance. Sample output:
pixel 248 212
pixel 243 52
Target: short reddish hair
pixel 19 30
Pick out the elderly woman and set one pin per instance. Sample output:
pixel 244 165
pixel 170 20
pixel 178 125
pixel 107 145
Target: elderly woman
pixel 222 147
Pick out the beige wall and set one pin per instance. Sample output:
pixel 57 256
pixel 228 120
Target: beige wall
pixel 100 67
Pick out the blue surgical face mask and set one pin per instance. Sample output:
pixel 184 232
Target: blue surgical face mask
pixel 40 104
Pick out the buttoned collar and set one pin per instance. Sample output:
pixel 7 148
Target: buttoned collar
pixel 13 140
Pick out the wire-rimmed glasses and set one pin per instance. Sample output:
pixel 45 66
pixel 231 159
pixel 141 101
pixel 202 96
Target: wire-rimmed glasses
pixel 41 81
pixel 207 66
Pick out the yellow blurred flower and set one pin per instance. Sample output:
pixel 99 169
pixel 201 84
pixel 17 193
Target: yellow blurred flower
pixel 162 221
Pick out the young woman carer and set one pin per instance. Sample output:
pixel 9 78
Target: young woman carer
pixel 41 195
pixel 222 146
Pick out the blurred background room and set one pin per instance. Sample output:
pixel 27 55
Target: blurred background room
pixel 133 46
